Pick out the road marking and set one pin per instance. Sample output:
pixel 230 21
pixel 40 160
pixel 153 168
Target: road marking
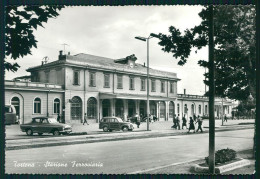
pixel 156 168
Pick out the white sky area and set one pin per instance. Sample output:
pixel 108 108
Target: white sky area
pixel 111 31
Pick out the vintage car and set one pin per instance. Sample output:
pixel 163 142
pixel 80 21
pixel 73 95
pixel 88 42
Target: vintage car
pixel 10 115
pixel 42 125
pixel 115 123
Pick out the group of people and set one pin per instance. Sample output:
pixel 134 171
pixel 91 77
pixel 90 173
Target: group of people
pixel 198 119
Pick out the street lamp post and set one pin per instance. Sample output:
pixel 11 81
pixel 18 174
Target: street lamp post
pixel 147 40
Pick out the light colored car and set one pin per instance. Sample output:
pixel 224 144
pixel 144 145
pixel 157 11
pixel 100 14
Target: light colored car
pixel 42 125
pixel 115 123
pixel 10 115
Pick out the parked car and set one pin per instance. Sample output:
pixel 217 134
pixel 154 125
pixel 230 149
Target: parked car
pixel 10 115
pixel 114 123
pixel 42 125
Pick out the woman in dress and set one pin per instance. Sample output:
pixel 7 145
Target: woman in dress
pixel 191 127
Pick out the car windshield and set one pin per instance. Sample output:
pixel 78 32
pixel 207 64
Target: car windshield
pixel 52 120
pixel 119 119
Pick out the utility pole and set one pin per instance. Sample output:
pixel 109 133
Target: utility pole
pixel 211 94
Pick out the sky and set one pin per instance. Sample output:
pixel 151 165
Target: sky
pixel 110 32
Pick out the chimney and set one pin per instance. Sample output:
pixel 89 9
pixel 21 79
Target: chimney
pixel 42 63
pixel 61 56
pixel 144 64
pixel 184 91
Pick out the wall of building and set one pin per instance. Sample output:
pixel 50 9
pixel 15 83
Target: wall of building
pixel 27 102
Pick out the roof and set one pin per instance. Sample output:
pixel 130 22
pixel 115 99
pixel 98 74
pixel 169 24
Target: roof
pixel 99 62
pixel 108 63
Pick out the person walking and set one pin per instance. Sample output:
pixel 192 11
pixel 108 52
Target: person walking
pixel 85 119
pixel 174 122
pixel 184 122
pixel 58 118
pixel 191 127
pixel 178 122
pixel 225 118
pixel 199 121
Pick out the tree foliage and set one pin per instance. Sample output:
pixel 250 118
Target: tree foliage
pixel 19 25
pixel 234 51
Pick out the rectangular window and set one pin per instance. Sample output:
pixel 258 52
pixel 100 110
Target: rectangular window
pixel 142 84
pixel 37 107
pixel 153 86
pixel 76 78
pixel 106 80
pixel 178 108
pixel 162 86
pixel 131 83
pixel 92 79
pixel 171 87
pixel 119 82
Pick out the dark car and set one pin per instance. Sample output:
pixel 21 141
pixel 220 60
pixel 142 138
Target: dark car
pixel 115 123
pixel 42 125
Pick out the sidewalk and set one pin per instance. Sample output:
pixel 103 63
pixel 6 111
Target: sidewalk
pixel 18 140
pixel 14 132
pixel 184 168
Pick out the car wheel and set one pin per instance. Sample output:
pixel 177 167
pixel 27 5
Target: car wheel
pixel 56 132
pixel 40 133
pixel 29 132
pixel 105 128
pixel 125 129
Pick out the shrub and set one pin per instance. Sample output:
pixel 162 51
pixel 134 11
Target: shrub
pixel 223 156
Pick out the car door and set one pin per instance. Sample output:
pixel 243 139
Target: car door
pixel 45 126
pixel 114 123
pixel 36 125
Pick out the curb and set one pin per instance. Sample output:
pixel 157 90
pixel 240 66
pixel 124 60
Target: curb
pixel 221 169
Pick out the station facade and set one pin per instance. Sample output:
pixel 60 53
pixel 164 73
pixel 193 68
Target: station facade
pixel 74 85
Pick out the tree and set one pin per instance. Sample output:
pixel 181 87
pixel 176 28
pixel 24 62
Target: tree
pixel 235 53
pixel 19 25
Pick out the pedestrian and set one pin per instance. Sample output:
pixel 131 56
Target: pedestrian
pixel 174 122
pixel 178 122
pixel 191 127
pixel 184 121
pixel 194 118
pixel 85 119
pixel 225 118
pixel 58 118
pixel 199 121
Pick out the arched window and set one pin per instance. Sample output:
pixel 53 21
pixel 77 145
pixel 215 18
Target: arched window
pixel 178 108
pixel 76 108
pixel 56 106
pixel 171 109
pixel 206 109
pixel 162 109
pixel 16 103
pixel 92 108
pixel 199 109
pixel 37 106
pixel 185 109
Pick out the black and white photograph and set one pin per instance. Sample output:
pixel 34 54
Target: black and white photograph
pixel 130 89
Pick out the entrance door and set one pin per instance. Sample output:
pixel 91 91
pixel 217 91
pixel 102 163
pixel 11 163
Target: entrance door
pixel 106 108
pixel 16 103
pixel 131 108
pixel 76 108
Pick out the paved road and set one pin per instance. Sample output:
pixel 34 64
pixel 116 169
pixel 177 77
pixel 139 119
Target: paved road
pixel 118 157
